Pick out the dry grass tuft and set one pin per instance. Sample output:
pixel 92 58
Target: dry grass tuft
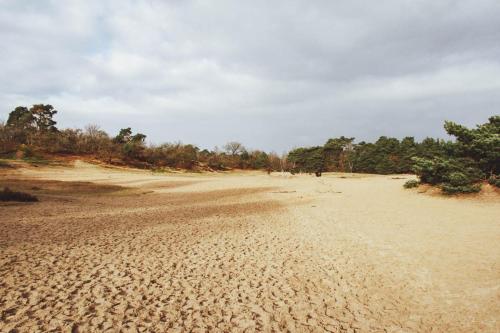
pixel 8 195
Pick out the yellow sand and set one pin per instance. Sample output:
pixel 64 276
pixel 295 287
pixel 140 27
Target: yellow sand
pixel 244 252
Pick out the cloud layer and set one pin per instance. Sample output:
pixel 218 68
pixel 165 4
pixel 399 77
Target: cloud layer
pixel 270 74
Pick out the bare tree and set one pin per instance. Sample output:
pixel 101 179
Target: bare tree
pixel 234 148
pixel 93 130
pixel 349 155
pixel 95 139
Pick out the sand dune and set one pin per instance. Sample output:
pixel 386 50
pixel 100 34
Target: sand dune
pixel 131 251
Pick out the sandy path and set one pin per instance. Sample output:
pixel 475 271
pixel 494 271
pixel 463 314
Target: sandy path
pixel 245 252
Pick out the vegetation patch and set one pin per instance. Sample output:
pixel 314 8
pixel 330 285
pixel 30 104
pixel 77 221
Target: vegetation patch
pixel 457 189
pixel 467 161
pixel 8 195
pixel 458 166
pixel 5 165
pixel 495 181
pixel 412 183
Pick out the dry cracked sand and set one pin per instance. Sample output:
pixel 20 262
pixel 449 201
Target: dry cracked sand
pixel 108 250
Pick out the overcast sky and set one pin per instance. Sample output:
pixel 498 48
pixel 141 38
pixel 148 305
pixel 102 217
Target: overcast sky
pixel 271 74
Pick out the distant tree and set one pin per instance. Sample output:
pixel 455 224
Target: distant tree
pixel 307 159
pixel 276 162
pixel 43 117
pixel 430 147
pixel 70 141
pixel 387 155
pixel 34 124
pixel 259 160
pixel 460 166
pixel 132 146
pixel 338 154
pixel 365 157
pixel 138 138
pixel 21 118
pixel 407 150
pixel 6 144
pixel 93 131
pixel 481 144
pixel 348 156
pixel 20 125
pixel 96 141
pixel 234 148
pixel 123 136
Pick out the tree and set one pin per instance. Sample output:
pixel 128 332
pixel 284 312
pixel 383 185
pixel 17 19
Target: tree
pixel 259 160
pixel 123 136
pixel 307 159
pixel 387 155
pixel 338 154
pixel 407 150
pixel 6 143
pixel 481 144
pixel 43 117
pixel 348 155
pixel 26 125
pixel 276 162
pixel 21 119
pixel 461 165
pixel 20 125
pixel 95 140
pixel 138 138
pixel 234 148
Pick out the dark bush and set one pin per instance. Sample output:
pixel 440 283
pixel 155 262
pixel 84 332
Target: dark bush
pixel 446 170
pixel 8 195
pixel 459 179
pixel 4 164
pixel 495 181
pixel 452 175
pixel 456 189
pixel 412 183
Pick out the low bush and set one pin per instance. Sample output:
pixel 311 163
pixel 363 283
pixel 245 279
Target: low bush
pixel 495 181
pixel 459 179
pixel 412 183
pixel 452 175
pixel 456 189
pixel 8 195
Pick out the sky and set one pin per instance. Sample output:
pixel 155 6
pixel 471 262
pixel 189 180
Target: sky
pixel 271 74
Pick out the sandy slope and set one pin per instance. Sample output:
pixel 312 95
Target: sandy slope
pixel 244 252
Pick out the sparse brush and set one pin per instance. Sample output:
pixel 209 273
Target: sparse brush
pixel 8 195
pixel 412 183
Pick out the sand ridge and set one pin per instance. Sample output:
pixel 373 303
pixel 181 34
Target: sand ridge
pixel 113 250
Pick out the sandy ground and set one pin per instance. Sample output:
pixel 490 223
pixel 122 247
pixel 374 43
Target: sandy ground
pixel 132 251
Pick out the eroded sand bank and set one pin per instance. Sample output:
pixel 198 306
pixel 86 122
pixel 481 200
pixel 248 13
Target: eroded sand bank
pixel 244 252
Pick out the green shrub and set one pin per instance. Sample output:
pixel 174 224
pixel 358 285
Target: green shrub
pixel 412 183
pixel 8 195
pixel 456 189
pixel 458 179
pixel 452 175
pixel 494 180
pixel 440 170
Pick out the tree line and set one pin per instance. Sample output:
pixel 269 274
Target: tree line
pixel 384 156
pixel 458 165
pixel 30 132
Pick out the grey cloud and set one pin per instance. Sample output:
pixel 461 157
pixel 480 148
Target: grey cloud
pixel 273 75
